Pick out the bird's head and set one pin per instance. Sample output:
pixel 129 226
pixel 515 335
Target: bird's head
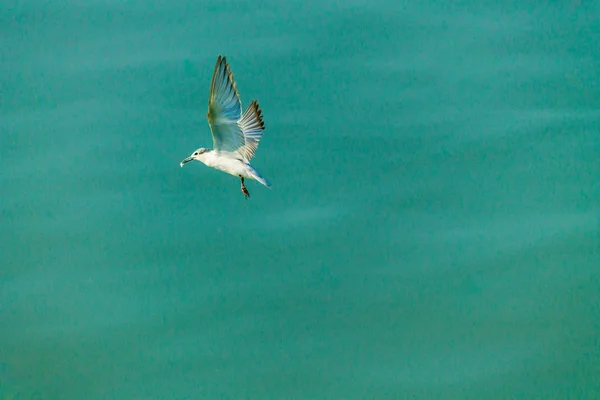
pixel 196 155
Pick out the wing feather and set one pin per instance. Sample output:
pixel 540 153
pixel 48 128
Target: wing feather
pixel 224 109
pixel 252 128
pixel 232 132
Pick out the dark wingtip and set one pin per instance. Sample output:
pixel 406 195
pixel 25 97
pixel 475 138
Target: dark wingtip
pixel 258 111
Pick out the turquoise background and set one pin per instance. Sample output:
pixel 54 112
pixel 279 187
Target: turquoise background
pixel 432 231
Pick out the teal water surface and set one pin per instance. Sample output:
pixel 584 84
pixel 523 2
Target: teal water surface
pixel 432 231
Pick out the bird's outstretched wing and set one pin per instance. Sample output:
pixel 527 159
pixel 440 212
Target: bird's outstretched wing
pixel 231 132
pixel 252 126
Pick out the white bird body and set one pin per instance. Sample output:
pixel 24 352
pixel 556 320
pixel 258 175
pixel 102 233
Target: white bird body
pixel 235 136
pixel 232 165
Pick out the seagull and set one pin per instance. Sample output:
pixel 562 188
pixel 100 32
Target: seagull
pixel 235 136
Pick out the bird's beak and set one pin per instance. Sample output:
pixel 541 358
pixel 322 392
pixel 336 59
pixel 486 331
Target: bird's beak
pixel 187 160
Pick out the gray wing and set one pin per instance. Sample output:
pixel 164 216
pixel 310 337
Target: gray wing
pixel 252 126
pixel 224 109
pixel 231 132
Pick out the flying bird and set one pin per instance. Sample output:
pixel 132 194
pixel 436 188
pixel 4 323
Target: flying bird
pixel 235 136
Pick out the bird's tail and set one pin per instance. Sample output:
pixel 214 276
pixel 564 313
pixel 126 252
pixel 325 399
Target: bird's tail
pixel 256 175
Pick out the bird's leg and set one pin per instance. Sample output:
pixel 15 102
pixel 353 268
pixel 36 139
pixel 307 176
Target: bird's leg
pixel 244 190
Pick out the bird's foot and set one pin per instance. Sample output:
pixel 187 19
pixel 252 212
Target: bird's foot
pixel 245 192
